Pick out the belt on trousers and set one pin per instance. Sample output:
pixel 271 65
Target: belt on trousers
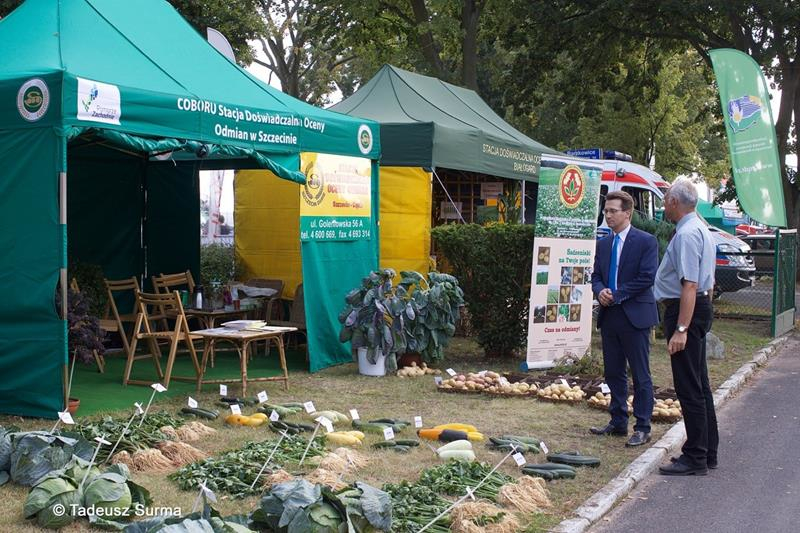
pixel 672 301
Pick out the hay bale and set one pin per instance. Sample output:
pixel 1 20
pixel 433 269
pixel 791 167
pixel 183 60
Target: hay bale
pixel 180 453
pixel 200 428
pixel 326 477
pixel 187 434
pixel 150 460
pixel 342 460
pixel 527 495
pixel 124 458
pixel 279 476
pixel 469 517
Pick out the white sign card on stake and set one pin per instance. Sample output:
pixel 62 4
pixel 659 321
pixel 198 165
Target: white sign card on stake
pixel 274 416
pixel 451 372
pixel 470 493
pixel 417 421
pixel 235 409
pixel 437 380
pixel 157 387
pixel 354 414
pixel 223 390
pixel 563 382
pixel 309 407
pixel 101 440
pixel 206 493
pixel 262 396
pixel 264 466
pixel 543 447
pixel 66 417
pixel 326 423
pixel 518 458
pixel 192 403
pixel 604 389
pixel 136 412
pixel 388 433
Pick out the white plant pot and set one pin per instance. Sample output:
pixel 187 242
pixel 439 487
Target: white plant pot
pixel 368 369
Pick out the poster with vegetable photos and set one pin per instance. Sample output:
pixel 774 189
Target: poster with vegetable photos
pixel 560 317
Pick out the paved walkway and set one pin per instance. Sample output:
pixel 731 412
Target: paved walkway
pixel 757 486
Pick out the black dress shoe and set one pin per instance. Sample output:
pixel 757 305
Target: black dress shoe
pixel 609 430
pixel 638 438
pixel 679 468
pixel 710 463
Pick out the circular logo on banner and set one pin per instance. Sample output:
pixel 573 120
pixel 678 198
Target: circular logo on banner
pixel 571 186
pixel 33 99
pixel 314 190
pixel 364 139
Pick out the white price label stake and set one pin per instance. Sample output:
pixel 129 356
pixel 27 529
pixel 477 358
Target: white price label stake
pixel 388 433
pixel 139 410
pixel 66 417
pixel 354 414
pixel 543 447
pixel 262 396
pixel 309 407
pixel 158 387
pixel 326 423
pixel 235 409
pixel 124 432
pixel 564 382
pixel 470 493
pixel 417 421
pixel 192 403
pixel 223 390
pixel 604 389
pixel 101 440
pixel 437 380
pixel 208 493
pixel 274 416
pixel 482 373
pixel 283 436
pixel 451 372
pixel 519 459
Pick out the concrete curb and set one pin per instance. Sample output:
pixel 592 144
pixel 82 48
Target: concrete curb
pixel 604 499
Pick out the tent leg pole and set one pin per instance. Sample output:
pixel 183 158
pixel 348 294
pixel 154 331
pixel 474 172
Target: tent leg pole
pixel 62 219
pixel 522 201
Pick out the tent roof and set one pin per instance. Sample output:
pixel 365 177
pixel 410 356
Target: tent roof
pixel 427 122
pixel 157 72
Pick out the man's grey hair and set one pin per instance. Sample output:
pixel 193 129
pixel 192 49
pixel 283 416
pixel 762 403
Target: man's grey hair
pixel 684 192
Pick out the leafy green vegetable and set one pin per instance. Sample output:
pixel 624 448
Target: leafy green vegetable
pixel 37 453
pixel 414 506
pixel 454 477
pixel 55 489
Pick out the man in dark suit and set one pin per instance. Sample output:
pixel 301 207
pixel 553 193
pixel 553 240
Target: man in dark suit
pixel 625 266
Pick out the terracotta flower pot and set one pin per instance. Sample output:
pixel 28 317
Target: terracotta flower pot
pixel 73 405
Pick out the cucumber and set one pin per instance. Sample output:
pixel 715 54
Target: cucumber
pixel 391 421
pixel 573 459
pixel 201 413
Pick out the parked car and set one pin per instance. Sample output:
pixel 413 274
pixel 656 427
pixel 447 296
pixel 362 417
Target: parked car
pixel 763 247
pixel 735 266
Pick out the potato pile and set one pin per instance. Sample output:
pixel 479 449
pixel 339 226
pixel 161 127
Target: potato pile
pixel 667 407
pixel 487 381
pixel 604 400
pixel 561 392
pixel 414 371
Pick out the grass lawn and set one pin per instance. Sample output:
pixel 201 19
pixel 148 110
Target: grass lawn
pixel 562 427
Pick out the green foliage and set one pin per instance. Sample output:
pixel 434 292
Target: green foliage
pixel 219 262
pixel 660 229
pixel 91 282
pixel 493 264
pixel 366 320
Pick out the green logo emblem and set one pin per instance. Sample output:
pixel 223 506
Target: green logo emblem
pixel 364 139
pixel 33 99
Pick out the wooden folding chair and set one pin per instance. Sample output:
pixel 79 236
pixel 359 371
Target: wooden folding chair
pixel 273 301
pixel 297 316
pixel 113 318
pixel 147 303
pixel 166 283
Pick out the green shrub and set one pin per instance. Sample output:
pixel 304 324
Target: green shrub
pixel 493 265
pixel 219 262
pixel 661 229
pixel 91 282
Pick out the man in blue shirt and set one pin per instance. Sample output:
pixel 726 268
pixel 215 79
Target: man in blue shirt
pixel 684 283
pixel 622 280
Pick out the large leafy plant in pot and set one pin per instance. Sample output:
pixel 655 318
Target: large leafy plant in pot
pixel 367 318
pixel 427 314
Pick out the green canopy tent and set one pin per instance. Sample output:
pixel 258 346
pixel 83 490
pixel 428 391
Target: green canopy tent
pixel 429 126
pixel 428 123
pixel 122 103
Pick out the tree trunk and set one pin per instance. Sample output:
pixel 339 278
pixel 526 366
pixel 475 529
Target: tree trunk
pixel 470 14
pixel 430 50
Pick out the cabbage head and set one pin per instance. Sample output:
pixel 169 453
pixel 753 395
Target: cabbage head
pixel 53 490
pixel 108 491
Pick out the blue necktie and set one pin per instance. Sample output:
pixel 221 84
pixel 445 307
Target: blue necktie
pixel 612 272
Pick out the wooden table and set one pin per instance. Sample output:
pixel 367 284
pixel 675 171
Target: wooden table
pixel 241 340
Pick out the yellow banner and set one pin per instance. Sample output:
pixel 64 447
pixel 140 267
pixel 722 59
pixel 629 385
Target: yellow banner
pixel 336 186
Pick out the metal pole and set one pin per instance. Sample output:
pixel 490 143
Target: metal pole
pixel 275 449
pixel 62 220
pixel 310 442
pixel 147 408
pixel 448 195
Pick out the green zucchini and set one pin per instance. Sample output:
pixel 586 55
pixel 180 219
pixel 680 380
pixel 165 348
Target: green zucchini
pixel 370 427
pixel 521 438
pixel 384 444
pixel 407 442
pixel 549 466
pixel 545 474
pixel 401 449
pixel 201 413
pixel 574 459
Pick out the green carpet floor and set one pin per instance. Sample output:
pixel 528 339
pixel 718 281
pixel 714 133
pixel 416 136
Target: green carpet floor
pixel 105 392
